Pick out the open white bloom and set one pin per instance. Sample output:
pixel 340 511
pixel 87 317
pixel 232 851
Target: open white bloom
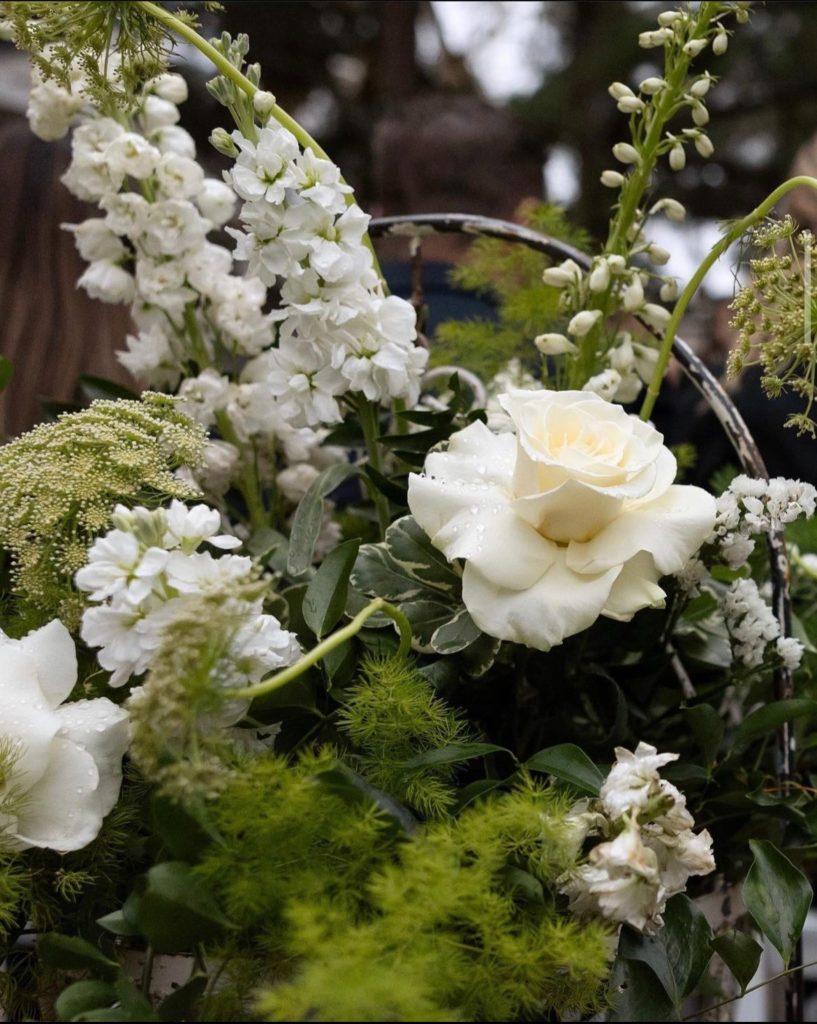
pixel 66 758
pixel 634 781
pixel 574 517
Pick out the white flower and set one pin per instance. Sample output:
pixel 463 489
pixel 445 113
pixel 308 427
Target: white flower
pixel 188 527
pixel 149 356
pixel 750 622
pixel 173 226
pixel 126 213
pixel 573 518
pixel 131 155
pixel 220 461
pixel 216 200
pixel 169 86
pixel 96 241
pixel 606 384
pixel 554 344
pixel 179 177
pixel 108 282
pixel 264 170
pixel 51 108
pixel 112 562
pixel 203 396
pixel 790 651
pixel 582 323
pixel 172 138
pixel 67 758
pixel 158 113
pixel 633 780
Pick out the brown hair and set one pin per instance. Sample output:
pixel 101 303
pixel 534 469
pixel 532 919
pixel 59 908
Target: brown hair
pixel 50 331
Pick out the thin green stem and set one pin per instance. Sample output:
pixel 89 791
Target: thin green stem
pixel 247 479
pixel 732 235
pixel 746 991
pixel 337 638
pixel 237 78
pixel 368 413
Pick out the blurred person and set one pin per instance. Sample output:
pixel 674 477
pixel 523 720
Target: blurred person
pixel 49 330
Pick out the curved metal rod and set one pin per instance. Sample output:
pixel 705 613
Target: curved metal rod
pixel 415 226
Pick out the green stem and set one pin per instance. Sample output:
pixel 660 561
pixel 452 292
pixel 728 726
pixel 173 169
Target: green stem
pixel 247 479
pixel 368 413
pixel 733 999
pixel 732 235
pixel 329 644
pixel 237 78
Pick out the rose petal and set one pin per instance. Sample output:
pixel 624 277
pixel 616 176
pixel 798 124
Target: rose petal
pixel 26 718
pixel 573 511
pixel 54 653
pixel 62 811
pixel 560 604
pixel 635 588
pixel 671 529
pixel 100 727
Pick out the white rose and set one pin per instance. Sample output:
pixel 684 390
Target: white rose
pixel 574 517
pixel 67 758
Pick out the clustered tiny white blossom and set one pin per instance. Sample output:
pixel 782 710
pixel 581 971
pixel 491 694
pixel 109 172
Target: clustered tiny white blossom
pixel 750 506
pixel 650 850
pixel 141 573
pixel 752 626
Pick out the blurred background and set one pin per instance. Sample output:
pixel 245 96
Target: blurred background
pixel 479 105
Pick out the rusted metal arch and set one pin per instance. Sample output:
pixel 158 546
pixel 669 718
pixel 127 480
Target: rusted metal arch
pixel 414 227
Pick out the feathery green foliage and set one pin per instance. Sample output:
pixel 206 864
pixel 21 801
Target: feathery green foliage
pixel 511 275
pixel 60 482
pixel 392 715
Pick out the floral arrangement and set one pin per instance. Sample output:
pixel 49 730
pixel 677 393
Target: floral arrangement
pixel 352 698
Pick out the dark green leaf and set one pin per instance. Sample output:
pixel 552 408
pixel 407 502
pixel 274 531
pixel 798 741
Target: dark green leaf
pixel 686 935
pixel 83 996
pixel 708 728
pixel 638 995
pixel 474 790
pixel 6 372
pixel 524 885
pixel 175 911
pixel 569 763
pixel 92 388
pixel 182 1004
pixel 456 634
pixel 264 541
pixel 769 718
pixel 70 953
pixel 325 597
pixel 352 788
pixel 117 924
pixel 133 1001
pixel 421 442
pixel 306 524
pixel 740 953
pixel 777 895
pixel 453 754
pixel 395 488
pixel 184 836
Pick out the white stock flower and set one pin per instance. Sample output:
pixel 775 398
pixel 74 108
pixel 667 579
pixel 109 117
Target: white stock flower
pixel 67 757
pixel 216 200
pixel 107 282
pixel 179 177
pixel 149 356
pixel 188 527
pixel 264 169
pixel 95 240
pixel 634 780
pixel 131 155
pixel 574 517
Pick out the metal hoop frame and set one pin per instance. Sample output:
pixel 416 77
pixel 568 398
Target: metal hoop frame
pixel 414 227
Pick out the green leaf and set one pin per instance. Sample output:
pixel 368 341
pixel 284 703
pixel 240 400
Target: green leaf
pixel 133 1001
pixel 453 754
pixel 569 763
pixel 474 791
pixel 117 924
pixel 740 953
pixel 524 885
pixel 175 911
pixel 777 895
pixel 708 728
pixel 182 1004
pixel 83 996
pixel 353 788
pixel 306 524
pixel 325 597
pixel 92 388
pixel 638 995
pixel 456 634
pixel 6 372
pixel 395 488
pixel 769 718
pixel 184 835
pixel 71 953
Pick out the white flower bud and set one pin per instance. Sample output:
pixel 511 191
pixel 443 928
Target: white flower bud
pixel 170 87
pixel 700 115
pixel 677 157
pixel 554 344
pixel 742 15
pixel 630 104
pixel 633 295
pixel 616 263
pixel 618 90
pixel 584 322
pixel 566 273
pixel 700 88
pixel 649 40
pixel 720 44
pixel 221 141
pixel 655 315
pixel 669 290
pixel 694 47
pixel 658 254
pixel 263 104
pixel 600 277
pixel 667 18
pixel 651 86
pixel 625 153
pixel 671 208
pixel 612 179
pixel 704 146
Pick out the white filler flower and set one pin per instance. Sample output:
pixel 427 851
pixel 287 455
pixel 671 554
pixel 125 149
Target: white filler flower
pixel 574 517
pixel 65 759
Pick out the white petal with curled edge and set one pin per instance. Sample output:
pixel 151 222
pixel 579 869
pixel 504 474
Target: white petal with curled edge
pixel 560 604
pixel 671 529
pixel 53 651
pixel 572 510
pixel 635 588
pixel 100 727
pixel 62 811
pixel 26 720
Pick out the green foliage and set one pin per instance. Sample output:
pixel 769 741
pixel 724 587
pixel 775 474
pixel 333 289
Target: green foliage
pixel 60 482
pixel 511 275
pixel 391 715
